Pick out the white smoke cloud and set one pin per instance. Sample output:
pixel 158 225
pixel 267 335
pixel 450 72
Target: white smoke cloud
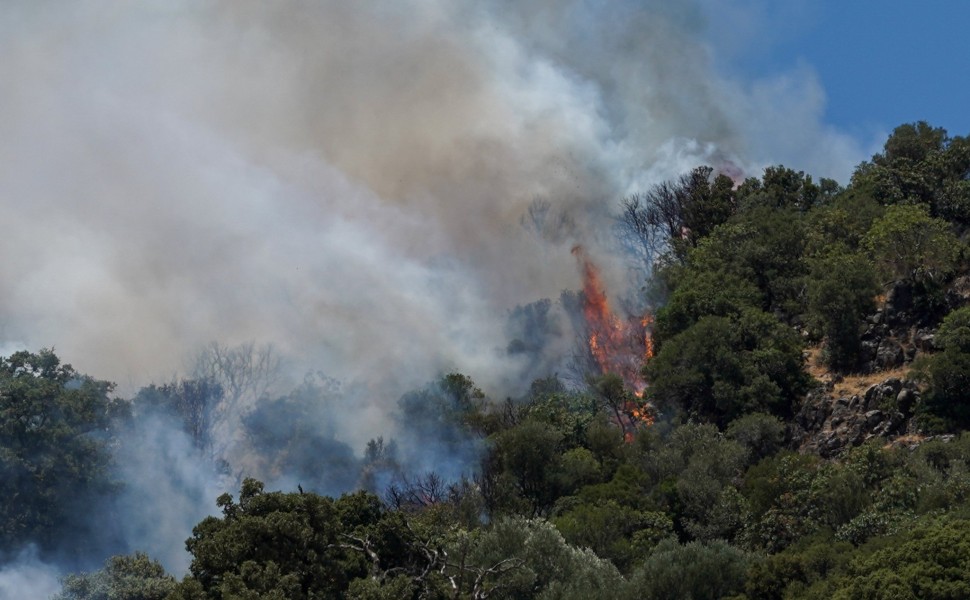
pixel 28 577
pixel 344 180
pixel 170 486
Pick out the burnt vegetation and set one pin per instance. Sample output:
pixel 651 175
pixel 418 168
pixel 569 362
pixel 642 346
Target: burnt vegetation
pixel 807 396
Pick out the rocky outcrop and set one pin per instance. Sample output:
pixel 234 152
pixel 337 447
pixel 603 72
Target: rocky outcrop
pixel 905 325
pixel 827 423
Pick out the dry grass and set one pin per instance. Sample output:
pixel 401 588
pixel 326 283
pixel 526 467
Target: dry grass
pixel 848 385
pixel 910 440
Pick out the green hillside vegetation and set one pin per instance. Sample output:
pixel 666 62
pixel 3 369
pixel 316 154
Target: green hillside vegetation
pixel 718 499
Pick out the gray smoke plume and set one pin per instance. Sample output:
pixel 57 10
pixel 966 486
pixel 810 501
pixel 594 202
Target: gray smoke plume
pixel 344 180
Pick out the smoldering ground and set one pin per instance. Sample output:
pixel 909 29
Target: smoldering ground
pixel 348 181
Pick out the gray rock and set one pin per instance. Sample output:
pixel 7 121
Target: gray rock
pixel 889 355
pixel 905 400
pixel 828 424
pixel 873 418
pixel 924 341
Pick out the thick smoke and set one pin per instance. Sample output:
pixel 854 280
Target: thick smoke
pixel 371 187
pixel 344 180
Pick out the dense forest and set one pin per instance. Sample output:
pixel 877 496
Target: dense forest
pixel 788 421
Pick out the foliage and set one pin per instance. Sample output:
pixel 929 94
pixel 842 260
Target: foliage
pixel 613 531
pixel 56 428
pixel 721 368
pixel 923 165
pixel 928 562
pixel 682 211
pixel 702 293
pixel 841 224
pixel 779 494
pixel 274 543
pixel 446 421
pixel 759 434
pixel 948 372
pixel 296 545
pixel 694 570
pixel 842 292
pixel 781 187
pixel 789 573
pixel 907 244
pixel 765 247
pixel 571 414
pixel 954 331
pixel 135 577
pixel 528 458
pixel 546 566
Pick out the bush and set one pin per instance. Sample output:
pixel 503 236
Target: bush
pixel 948 373
pixel 695 570
pixel 722 368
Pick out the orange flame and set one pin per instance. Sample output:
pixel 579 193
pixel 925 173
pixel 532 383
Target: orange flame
pixel 617 345
pixel 640 414
pixel 647 323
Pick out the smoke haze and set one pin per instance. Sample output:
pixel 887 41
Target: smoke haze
pixel 28 577
pixel 344 180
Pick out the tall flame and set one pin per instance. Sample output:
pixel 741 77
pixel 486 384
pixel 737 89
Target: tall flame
pixel 617 345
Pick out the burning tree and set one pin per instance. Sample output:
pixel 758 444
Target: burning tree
pixel 616 345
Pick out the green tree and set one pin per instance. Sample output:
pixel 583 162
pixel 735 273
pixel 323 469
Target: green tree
pixel 613 531
pixel 56 426
pixel 701 293
pixel 683 211
pixel 291 435
pixel 929 562
pixel 276 545
pixel 779 494
pixel 570 413
pixel 789 573
pixel 702 468
pixel 903 172
pixel 546 566
pixel 948 372
pixel 842 292
pixel 722 368
pixel 841 223
pixel 907 244
pixel 524 468
pixel 921 164
pixel 765 247
pixel 759 434
pixel 695 570
pixel 954 331
pixel 781 187
pixel 191 401
pixel 134 577
pixel 953 201
pixel 446 421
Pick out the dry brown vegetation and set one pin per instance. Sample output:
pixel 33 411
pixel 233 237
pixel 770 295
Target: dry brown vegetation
pixel 847 385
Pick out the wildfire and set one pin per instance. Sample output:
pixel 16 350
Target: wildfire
pixel 647 323
pixel 617 345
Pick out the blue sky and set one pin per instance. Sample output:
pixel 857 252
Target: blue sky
pixel 880 63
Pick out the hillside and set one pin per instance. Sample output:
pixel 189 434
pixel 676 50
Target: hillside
pixel 787 419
